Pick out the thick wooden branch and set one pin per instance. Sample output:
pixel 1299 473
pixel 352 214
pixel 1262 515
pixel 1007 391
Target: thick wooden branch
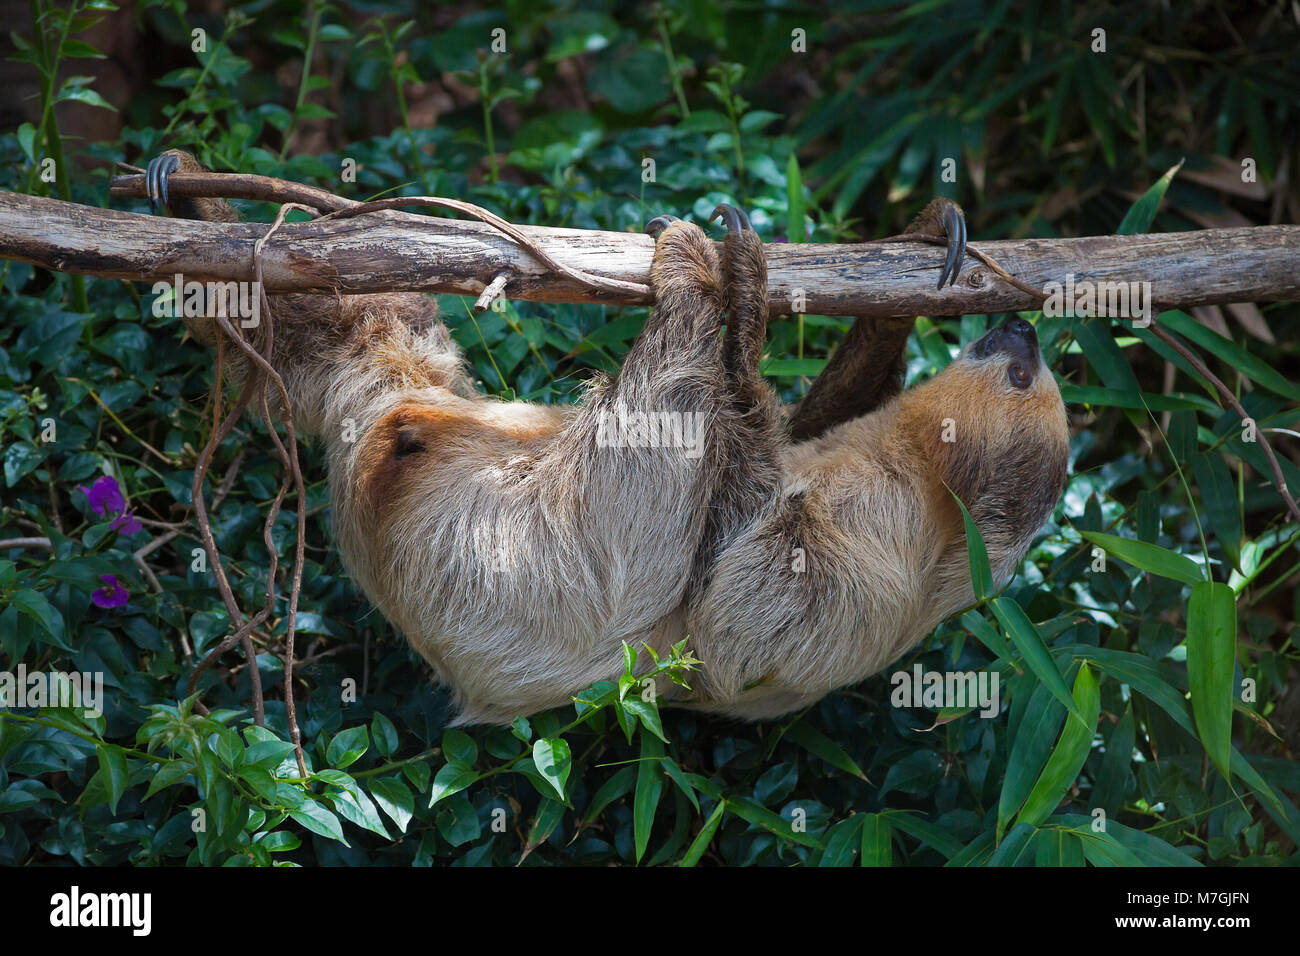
pixel 389 251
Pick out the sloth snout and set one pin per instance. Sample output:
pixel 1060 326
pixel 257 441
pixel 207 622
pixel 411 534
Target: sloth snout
pixel 1014 338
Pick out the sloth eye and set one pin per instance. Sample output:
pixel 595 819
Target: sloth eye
pixel 1018 375
pixel 407 443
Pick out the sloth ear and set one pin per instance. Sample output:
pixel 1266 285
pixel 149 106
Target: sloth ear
pixel 407 442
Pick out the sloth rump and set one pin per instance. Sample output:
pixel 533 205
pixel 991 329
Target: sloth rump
pixel 517 548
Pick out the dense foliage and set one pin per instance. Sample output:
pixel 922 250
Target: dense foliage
pixel 1142 685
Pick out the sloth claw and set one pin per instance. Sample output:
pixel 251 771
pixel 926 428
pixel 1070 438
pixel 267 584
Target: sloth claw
pixel 156 175
pixel 734 219
pixel 954 227
pixel 659 223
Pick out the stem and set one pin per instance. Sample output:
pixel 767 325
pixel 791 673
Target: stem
pixel 673 73
pixel 312 33
pixel 484 91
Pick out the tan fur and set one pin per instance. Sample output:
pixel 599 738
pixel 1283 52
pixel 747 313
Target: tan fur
pixel 517 553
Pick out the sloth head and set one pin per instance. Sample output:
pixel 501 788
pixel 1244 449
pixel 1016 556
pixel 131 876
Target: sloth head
pixel 993 425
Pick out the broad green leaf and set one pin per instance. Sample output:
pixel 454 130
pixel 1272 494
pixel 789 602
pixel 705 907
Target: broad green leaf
pixel 1029 642
pixel 981 575
pixel 1057 846
pixel 319 820
pixel 1232 354
pixel 395 799
pixel 815 742
pixel 612 789
pixel 459 747
pixel 1211 654
pixel 547 818
pixel 114 773
pixel 760 816
pixel 928 833
pixel 1142 213
pixel 649 788
pixel 705 836
pixel 988 635
pixel 1220 494
pixel 1035 734
pixel 1108 791
pixel 840 842
pixel 1070 753
pixel 877 840
pixel 451 778
pixel 1148 557
pixel 347 746
pixel 553 760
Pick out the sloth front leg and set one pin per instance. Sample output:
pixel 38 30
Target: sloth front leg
pixel 867 368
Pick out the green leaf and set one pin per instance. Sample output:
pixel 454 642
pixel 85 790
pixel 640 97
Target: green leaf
pixel 347 747
pixel 33 604
pixel 395 799
pixel 1108 791
pixel 612 789
pixel 1035 734
pixel 1143 212
pixel 1148 557
pixel 1029 642
pixel 678 777
pixel 113 773
pixel 1232 354
pixel 795 230
pixel 977 624
pixel 936 837
pixel 981 576
pixel 1070 753
pixel 384 734
pixel 319 820
pixel 839 842
pixel 877 840
pixel 649 788
pixel 1221 504
pixel 1211 654
pixel 817 743
pixel 762 817
pixel 451 778
pixel 1057 846
pixel 553 760
pixel 705 836
pixel 548 817
pixel 459 748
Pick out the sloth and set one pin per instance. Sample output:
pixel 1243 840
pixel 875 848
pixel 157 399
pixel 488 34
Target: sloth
pixel 518 548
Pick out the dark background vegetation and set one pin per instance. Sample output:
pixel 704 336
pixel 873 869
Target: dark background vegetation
pixel 841 142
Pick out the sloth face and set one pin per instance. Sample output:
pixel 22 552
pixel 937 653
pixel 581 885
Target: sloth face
pixel 1014 344
pixel 994 426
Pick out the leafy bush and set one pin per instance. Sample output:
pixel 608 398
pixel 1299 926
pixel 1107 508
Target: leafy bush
pixel 1121 676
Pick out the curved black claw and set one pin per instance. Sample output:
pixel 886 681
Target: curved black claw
pixel 155 179
pixel 734 219
pixel 659 223
pixel 954 227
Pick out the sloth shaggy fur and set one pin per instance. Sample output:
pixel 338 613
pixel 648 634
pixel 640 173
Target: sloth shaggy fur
pixel 799 551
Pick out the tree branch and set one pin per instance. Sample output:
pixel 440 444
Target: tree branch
pixel 388 251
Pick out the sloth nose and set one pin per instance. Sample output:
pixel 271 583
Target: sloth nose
pixel 1015 338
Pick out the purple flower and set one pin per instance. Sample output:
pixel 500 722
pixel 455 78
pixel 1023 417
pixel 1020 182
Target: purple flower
pixel 106 499
pixel 112 594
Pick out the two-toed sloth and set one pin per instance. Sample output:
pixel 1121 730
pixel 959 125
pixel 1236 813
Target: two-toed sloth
pixel 518 547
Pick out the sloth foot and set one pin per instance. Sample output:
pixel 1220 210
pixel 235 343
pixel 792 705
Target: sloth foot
pixel 156 176
pixel 734 219
pixel 943 217
pixel 659 223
